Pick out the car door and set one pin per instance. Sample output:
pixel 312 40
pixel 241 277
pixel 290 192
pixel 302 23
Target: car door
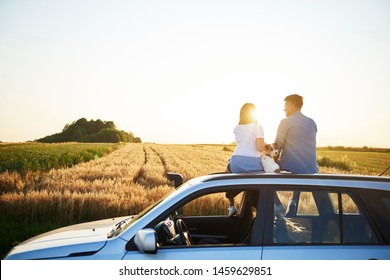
pixel 207 218
pixel 216 236
pixel 320 223
pixel 205 252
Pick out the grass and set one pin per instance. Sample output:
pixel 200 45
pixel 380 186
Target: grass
pixel 331 163
pixel 121 181
pixel 27 157
pixel 355 161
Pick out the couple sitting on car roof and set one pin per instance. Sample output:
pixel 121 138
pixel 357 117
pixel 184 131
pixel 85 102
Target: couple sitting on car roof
pixel 295 139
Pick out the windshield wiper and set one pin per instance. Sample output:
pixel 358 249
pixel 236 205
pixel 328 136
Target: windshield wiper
pixel 118 227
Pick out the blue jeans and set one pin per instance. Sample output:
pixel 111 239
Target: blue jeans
pixel 244 164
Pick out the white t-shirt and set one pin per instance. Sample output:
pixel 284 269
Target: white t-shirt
pixel 246 135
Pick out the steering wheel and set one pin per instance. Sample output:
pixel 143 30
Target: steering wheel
pixel 183 232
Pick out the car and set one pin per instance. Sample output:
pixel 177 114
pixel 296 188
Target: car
pixel 279 216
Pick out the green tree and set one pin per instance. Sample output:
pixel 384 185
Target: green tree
pixel 83 130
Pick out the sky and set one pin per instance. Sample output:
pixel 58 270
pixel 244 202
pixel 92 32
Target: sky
pixel 178 72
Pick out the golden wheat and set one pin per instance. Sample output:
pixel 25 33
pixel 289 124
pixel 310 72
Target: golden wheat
pixel 105 187
pixel 125 182
pixel 121 183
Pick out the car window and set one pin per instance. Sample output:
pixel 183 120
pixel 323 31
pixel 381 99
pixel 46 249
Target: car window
pixel 215 204
pixel 205 220
pixel 319 217
pixel 378 204
pixel 308 207
pixel 386 203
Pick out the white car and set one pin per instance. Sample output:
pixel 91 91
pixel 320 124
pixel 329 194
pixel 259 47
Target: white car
pixel 328 217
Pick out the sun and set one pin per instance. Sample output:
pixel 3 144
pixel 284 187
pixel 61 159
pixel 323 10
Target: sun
pixel 269 118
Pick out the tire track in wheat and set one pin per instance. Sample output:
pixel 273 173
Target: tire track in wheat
pixel 153 172
pixel 141 173
pixel 162 159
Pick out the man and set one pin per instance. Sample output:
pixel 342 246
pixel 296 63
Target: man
pixel 296 141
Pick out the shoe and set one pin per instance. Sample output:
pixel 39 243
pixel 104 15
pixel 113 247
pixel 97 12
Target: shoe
pixel 291 208
pixel 232 211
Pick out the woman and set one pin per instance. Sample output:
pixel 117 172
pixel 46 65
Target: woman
pixel 250 143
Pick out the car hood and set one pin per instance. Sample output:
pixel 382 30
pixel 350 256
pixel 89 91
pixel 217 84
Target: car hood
pixel 76 240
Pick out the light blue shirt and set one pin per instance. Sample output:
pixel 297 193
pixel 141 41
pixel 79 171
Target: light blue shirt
pixel 296 139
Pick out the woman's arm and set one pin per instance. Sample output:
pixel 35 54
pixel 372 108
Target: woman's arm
pixel 260 144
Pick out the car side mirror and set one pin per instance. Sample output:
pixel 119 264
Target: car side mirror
pixel 176 177
pixel 146 241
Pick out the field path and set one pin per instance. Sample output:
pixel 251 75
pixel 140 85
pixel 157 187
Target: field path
pixel 152 172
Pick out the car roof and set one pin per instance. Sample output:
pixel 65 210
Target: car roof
pixel 341 180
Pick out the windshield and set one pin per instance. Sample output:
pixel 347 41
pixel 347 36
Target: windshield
pixel 126 223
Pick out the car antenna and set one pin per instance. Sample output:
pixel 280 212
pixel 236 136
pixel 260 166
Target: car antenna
pixel 384 171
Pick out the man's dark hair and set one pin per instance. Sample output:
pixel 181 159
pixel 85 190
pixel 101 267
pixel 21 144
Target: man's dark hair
pixel 295 99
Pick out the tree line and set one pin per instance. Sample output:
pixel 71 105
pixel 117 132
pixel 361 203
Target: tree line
pixel 91 131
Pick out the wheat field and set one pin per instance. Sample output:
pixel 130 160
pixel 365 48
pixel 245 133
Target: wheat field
pixel 121 183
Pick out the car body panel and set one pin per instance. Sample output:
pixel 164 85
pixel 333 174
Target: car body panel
pixel 326 252
pixel 226 252
pixel 76 240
